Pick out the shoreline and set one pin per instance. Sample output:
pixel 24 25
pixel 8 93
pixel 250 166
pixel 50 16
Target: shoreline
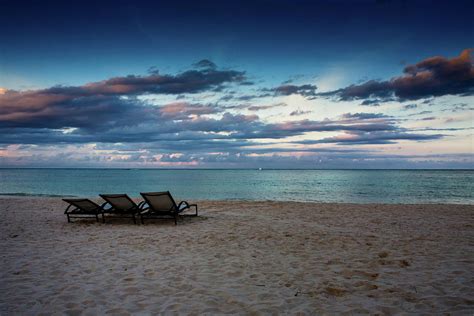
pixel 139 198
pixel 239 257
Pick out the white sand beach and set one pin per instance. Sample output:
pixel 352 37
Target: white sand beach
pixel 239 258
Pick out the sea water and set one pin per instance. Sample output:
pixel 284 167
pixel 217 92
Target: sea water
pixel 349 186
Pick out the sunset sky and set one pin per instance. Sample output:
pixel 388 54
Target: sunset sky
pixel 241 84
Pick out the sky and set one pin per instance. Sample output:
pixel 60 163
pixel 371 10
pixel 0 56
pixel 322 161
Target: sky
pixel 237 84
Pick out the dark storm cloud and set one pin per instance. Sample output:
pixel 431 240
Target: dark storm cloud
pixel 434 76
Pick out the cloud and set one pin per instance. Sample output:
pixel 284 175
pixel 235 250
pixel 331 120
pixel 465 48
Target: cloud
pixel 299 112
pixel 135 122
pixel 117 117
pixel 184 110
pixel 306 90
pixel 364 116
pixel 434 76
pixel 114 100
pixel 410 106
pixel 293 78
pixel 191 81
pixel 244 97
pixel 43 111
pixel 374 138
pixel 293 128
pixel 457 107
pixel 422 113
pixel 446 129
pixel 205 63
pixel 316 159
pixel 369 102
pixel 360 128
pixel 266 107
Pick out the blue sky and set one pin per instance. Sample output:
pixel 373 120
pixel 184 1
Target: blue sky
pixel 300 84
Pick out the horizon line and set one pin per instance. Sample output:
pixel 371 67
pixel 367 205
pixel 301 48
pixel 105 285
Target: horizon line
pixel 256 168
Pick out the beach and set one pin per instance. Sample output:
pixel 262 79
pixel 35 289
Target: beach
pixel 239 257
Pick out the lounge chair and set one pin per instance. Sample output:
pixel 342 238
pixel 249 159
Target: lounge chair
pixel 162 205
pixel 121 206
pixel 82 208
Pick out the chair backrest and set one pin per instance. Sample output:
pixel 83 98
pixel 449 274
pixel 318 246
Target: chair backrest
pixel 160 201
pixel 83 204
pixel 121 202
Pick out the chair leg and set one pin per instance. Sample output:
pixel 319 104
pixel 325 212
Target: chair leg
pixel 97 218
pixel 141 219
pixel 103 218
pixel 134 220
pixel 68 219
pixel 176 219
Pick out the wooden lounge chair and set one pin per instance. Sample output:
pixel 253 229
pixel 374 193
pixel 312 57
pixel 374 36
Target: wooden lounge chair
pixel 121 206
pixel 82 208
pixel 162 205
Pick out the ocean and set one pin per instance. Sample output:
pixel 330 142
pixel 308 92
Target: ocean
pixel 348 186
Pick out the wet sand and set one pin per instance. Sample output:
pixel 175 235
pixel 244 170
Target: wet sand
pixel 239 258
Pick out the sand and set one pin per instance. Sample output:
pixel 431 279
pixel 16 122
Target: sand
pixel 239 258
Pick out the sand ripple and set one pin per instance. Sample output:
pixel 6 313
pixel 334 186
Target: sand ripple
pixel 240 258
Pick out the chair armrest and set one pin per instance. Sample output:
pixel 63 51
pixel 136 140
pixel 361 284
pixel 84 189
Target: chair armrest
pixel 142 204
pixel 67 209
pixel 102 207
pixel 186 205
pixel 144 211
pixel 195 208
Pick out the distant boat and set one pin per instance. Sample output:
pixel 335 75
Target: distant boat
pixel 259 169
